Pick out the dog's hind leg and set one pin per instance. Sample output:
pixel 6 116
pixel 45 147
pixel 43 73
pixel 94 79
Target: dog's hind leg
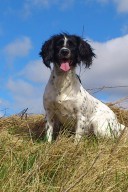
pixel 80 128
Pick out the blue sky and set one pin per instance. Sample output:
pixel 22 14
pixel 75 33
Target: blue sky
pixel 26 24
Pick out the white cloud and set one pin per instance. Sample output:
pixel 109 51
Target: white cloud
pixel 36 71
pixel 18 48
pixel 110 68
pixel 20 87
pixel 122 5
pixel 25 95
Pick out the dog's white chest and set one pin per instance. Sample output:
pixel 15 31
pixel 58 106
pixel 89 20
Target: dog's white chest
pixel 65 108
pixel 62 105
pixel 62 99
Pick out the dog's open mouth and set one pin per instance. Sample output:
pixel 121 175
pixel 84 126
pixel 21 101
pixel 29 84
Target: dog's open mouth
pixel 65 65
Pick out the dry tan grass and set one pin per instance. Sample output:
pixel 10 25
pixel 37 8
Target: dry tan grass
pixel 33 126
pixel 29 164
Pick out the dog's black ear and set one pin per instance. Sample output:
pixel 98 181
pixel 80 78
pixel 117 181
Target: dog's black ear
pixel 47 52
pixel 85 53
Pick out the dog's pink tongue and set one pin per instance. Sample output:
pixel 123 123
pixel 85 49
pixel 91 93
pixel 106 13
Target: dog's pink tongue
pixel 65 66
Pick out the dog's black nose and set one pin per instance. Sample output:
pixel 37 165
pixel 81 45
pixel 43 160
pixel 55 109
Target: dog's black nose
pixel 64 52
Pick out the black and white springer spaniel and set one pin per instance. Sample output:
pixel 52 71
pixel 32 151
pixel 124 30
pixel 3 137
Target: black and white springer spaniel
pixel 65 99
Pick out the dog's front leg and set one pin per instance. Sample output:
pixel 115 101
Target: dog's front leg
pixel 49 127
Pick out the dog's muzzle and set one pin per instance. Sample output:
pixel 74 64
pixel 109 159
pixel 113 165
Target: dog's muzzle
pixel 65 52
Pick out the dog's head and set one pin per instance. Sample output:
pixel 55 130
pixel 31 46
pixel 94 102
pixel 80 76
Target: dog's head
pixel 66 51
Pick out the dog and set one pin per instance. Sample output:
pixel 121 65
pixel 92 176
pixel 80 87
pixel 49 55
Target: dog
pixel 65 99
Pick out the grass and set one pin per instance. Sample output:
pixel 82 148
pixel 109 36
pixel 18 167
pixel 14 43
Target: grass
pixel 29 164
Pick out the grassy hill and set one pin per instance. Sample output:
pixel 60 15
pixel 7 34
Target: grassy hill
pixel 29 164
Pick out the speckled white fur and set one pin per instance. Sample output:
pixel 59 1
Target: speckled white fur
pixel 65 99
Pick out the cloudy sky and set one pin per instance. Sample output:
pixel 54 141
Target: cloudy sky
pixel 26 24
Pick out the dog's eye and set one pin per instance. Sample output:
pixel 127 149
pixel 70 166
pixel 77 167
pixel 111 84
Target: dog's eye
pixel 60 43
pixel 70 43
